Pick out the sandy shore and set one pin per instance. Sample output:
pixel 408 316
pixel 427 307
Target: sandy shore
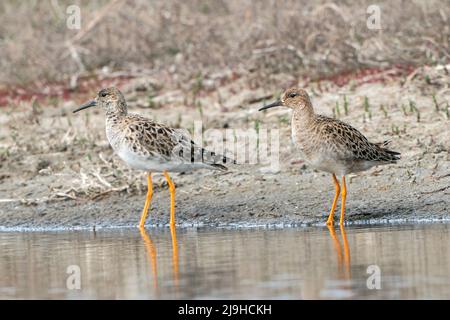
pixel 282 200
pixel 58 171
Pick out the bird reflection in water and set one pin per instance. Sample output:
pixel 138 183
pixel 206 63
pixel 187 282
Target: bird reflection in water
pixel 151 251
pixel 342 250
pixel 173 234
pixel 343 257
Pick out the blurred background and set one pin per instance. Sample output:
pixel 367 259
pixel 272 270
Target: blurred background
pixel 188 38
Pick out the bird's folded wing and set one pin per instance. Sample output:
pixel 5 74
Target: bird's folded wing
pixel 353 145
pixel 185 150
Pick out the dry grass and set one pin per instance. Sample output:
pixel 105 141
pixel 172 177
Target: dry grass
pixel 188 39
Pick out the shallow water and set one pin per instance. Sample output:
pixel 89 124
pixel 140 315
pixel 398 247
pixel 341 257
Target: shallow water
pixel 293 263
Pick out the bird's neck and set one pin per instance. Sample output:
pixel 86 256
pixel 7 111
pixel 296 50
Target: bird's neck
pixel 114 118
pixel 116 111
pixel 114 124
pixel 303 116
pixel 113 115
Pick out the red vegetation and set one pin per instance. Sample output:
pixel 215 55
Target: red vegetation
pixel 43 92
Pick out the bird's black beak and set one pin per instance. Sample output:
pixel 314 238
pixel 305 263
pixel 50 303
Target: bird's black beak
pixel 86 105
pixel 277 103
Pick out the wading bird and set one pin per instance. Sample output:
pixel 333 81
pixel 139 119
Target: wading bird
pixel 146 145
pixel 331 145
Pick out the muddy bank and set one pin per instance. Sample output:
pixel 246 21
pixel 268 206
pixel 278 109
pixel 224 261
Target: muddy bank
pixel 282 199
pixel 58 171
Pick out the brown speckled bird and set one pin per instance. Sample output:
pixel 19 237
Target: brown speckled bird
pixel 331 145
pixel 147 145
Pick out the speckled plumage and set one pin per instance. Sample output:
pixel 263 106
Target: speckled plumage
pixel 336 147
pixel 331 145
pixel 147 145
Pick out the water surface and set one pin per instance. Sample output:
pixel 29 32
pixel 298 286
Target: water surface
pixel 293 263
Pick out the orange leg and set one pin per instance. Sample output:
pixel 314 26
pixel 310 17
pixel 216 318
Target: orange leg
pixel 346 252
pixel 172 198
pixel 343 257
pixel 330 219
pixel 173 233
pixel 147 201
pixel 344 196
pixel 337 245
pixel 151 251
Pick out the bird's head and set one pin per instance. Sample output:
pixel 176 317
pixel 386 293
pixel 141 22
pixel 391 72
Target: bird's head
pixel 109 99
pixel 293 98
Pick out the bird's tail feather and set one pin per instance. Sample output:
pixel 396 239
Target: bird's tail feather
pixel 387 154
pixel 216 161
pixel 218 166
pixel 383 144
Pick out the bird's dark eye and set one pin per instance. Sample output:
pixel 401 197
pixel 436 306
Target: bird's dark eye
pixel 293 95
pixel 103 94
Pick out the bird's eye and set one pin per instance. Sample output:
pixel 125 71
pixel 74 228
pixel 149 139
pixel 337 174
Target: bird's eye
pixel 103 94
pixel 292 95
